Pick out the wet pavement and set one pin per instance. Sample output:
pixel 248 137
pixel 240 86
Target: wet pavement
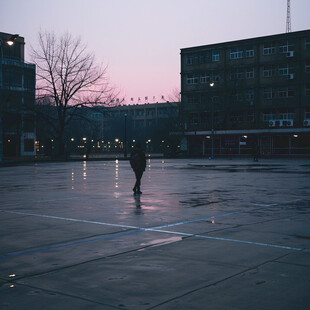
pixel 205 234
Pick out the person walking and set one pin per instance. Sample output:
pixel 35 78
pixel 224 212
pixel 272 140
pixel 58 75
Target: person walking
pixel 138 164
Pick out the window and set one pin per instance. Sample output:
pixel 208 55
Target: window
pixel 290 92
pixel 192 99
pixel 140 123
pixel 215 56
pixel 140 112
pixel 285 92
pixel 236 53
pixel 250 73
pixel 249 53
pixel 204 78
pixel 268 71
pixel 237 75
pixel 208 57
pixel 283 48
pixel 250 117
pixel 269 93
pixel 269 49
pixel 192 60
pixel 249 95
pixel 194 118
pixel 150 112
pixel 283 70
pixel 236 117
pixel 307 44
pixel 192 78
pixel 307 90
pixel 149 123
pixel 209 77
pixel 307 67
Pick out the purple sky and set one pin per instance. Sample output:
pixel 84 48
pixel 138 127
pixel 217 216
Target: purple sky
pixel 140 40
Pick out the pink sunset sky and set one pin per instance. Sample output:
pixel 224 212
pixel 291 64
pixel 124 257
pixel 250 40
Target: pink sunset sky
pixel 140 40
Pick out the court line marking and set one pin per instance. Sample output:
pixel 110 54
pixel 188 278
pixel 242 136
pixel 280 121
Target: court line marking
pixel 70 244
pixel 197 220
pixel 137 230
pixel 69 219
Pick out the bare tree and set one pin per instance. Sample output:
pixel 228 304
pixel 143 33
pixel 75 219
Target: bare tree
pixel 68 75
pixel 175 95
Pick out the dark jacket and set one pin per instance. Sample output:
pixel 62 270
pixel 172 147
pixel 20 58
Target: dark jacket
pixel 137 159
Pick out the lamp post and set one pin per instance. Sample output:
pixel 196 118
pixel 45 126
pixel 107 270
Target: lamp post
pixel 212 125
pixel 9 42
pixel 125 135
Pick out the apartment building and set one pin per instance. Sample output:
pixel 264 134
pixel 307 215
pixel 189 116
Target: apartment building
pixel 245 94
pixel 17 96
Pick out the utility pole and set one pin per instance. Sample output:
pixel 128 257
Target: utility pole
pixel 288 17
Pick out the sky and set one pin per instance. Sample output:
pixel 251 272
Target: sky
pixel 140 40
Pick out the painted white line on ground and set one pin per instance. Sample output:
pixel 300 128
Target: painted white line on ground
pixel 70 219
pixel 155 229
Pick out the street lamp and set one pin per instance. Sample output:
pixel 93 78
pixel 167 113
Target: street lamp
pixel 10 42
pixel 125 134
pixel 212 125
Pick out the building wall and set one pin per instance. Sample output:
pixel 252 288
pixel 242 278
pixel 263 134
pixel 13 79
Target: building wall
pixel 17 95
pixel 260 83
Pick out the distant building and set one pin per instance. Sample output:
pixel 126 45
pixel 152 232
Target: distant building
pixel 247 94
pixel 101 128
pixel 17 97
pixel 144 122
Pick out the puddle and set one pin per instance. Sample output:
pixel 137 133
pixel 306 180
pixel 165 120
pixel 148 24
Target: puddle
pixel 160 242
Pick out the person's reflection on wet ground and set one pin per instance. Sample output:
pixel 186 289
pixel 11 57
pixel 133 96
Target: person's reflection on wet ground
pixel 137 199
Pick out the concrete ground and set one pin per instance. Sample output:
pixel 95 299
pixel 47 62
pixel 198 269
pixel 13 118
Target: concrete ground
pixel 205 234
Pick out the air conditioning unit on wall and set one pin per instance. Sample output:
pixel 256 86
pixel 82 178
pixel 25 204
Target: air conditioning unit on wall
pixel 307 122
pixel 290 54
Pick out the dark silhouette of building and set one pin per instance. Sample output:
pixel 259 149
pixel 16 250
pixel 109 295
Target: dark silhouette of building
pixel 247 93
pixel 17 97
